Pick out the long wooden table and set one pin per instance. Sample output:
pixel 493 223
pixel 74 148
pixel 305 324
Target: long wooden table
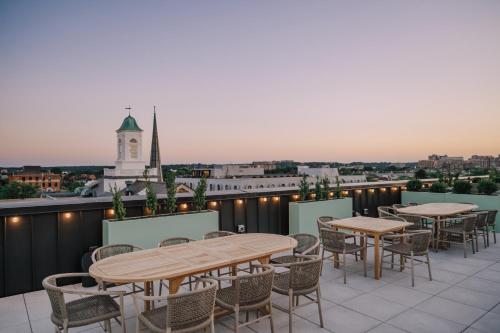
pixel 175 263
pixel 438 211
pixel 375 227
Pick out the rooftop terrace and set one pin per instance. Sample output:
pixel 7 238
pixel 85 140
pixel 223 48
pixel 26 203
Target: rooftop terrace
pixel 463 297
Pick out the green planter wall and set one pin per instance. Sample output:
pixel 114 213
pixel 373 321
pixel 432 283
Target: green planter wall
pixel 148 231
pixel 303 215
pixel 483 201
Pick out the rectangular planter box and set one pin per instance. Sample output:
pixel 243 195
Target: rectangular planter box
pixel 483 201
pixel 148 231
pixel 303 215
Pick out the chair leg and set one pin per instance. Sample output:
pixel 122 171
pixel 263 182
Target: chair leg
pixel 477 242
pixel 474 249
pixel 212 325
pixel 484 238
pixel 412 270
pixel 494 235
pixel 236 319
pixel 465 245
pixel 429 266
pixel 270 317
pixel 322 260
pixel 344 268
pixel 318 295
pixel 290 310
pixel 138 326
pixel 401 263
pixel 392 260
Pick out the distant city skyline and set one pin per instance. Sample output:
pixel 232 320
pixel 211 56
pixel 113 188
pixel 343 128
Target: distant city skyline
pixel 236 81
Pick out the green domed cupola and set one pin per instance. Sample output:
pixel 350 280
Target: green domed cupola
pixel 129 124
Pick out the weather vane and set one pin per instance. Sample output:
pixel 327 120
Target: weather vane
pixel 128 108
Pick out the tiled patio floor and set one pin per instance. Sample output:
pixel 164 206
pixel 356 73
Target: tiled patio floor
pixel 463 297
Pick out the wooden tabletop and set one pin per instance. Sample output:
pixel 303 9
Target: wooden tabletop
pixel 438 209
pixel 369 225
pixel 189 258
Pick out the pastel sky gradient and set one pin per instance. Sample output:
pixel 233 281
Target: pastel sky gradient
pixel 236 81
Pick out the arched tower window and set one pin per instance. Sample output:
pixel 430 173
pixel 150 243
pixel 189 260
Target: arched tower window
pixel 133 148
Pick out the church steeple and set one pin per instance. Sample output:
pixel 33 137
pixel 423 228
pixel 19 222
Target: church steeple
pixel 155 161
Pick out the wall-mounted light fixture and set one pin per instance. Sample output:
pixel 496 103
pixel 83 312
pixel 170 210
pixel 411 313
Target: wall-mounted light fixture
pixel 295 197
pixel 313 195
pixel 403 188
pixel 184 205
pixel 111 212
pixel 276 199
pixel 345 193
pixel 330 194
pixel 213 204
pixel 359 191
pixel 371 190
pixel 383 189
pixel 239 202
pixel 15 219
pixel 394 188
pixel 263 199
pixel 67 215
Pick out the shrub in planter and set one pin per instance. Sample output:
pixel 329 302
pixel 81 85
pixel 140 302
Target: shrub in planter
pixel 438 188
pixel 462 187
pixel 487 187
pixel 414 185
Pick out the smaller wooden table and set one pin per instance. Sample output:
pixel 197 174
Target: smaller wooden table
pixel 374 227
pixel 438 211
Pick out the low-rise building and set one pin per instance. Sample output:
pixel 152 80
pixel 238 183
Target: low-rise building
pixel 34 175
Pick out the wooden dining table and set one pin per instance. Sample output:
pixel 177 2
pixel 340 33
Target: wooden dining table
pixel 438 211
pixel 175 263
pixel 375 227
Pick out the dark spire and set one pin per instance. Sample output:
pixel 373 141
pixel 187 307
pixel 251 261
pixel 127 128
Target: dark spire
pixel 155 161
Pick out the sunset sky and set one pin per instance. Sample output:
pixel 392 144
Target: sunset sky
pixel 236 81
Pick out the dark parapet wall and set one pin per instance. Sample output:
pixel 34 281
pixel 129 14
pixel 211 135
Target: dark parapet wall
pixel 43 237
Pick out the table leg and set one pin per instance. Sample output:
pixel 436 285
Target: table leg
pixel 147 292
pixel 264 260
pixel 376 252
pixel 361 244
pixel 174 285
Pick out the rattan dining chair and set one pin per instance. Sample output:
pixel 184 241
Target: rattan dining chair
pixel 385 211
pixel 113 250
pixel 301 279
pixel 321 223
pixel 492 215
pixel 97 306
pixel 189 311
pixel 459 230
pixel 397 206
pixel 481 227
pixel 306 244
pixel 335 243
pixel 217 234
pixel 248 292
pixel 410 245
pixel 170 242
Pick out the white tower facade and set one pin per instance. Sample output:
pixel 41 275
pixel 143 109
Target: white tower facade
pixel 129 165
